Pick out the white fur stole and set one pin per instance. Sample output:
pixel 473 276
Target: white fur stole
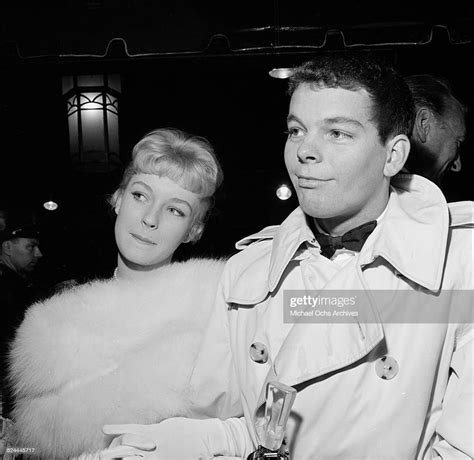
pixel 109 352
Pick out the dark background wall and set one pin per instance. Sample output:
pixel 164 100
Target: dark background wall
pixel 201 69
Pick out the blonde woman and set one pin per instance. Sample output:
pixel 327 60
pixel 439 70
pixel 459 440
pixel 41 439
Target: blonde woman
pixel 121 350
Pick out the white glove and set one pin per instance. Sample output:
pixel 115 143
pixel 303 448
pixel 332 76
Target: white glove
pixel 176 438
pixel 88 456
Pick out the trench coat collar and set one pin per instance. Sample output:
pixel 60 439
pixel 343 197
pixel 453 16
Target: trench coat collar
pixel 412 235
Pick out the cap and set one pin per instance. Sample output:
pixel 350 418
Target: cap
pixel 19 225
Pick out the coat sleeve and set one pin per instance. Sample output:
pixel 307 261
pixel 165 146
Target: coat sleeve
pixel 455 439
pixel 214 384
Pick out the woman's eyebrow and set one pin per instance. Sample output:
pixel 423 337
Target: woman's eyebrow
pixel 139 182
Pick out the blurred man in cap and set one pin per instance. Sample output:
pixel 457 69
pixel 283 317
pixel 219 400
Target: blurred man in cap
pixel 20 250
pixel 19 255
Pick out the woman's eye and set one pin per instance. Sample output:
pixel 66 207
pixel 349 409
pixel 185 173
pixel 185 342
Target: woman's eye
pixel 176 212
pixel 138 196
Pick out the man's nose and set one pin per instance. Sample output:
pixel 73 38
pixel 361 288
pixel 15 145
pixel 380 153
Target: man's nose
pixel 309 152
pixel 38 253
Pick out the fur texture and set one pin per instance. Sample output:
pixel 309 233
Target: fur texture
pixel 108 352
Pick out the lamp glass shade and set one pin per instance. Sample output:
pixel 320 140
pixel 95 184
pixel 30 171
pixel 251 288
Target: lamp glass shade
pixel 92 110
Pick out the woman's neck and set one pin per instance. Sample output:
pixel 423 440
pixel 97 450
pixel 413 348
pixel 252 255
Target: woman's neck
pixel 134 272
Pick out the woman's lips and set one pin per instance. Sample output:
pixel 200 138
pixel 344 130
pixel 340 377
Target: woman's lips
pixel 142 239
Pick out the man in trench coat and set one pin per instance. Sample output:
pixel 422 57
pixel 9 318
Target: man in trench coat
pixel 361 299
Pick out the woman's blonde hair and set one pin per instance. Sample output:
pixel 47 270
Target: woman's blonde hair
pixel 184 158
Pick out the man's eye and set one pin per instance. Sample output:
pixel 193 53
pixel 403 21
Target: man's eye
pixel 339 135
pixel 293 132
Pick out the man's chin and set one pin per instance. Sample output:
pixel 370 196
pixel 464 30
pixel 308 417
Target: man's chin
pixel 320 212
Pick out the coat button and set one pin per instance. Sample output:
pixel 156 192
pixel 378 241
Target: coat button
pixel 386 367
pixel 258 353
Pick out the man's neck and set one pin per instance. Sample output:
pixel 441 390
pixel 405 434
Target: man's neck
pixel 339 225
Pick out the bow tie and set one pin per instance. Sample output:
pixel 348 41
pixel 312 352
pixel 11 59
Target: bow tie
pixel 353 239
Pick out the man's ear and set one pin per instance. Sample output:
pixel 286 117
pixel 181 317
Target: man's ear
pixel 423 120
pixel 195 233
pixel 6 247
pixel 397 153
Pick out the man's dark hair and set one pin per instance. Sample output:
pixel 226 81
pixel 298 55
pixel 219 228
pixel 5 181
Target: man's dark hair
pixel 393 107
